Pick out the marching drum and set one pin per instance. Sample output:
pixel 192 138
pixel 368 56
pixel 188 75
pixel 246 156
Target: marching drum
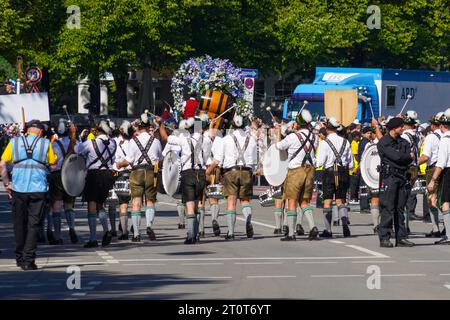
pixel 276 192
pixel 214 191
pixel 318 187
pixel 266 199
pixel 275 165
pixel 112 197
pixel 363 191
pixel 171 175
pixel 370 162
pixel 122 186
pixel 420 186
pixel 73 174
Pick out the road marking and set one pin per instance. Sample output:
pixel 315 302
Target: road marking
pixel 270 277
pixel 6 287
pixel 445 274
pixel 202 264
pixel 429 261
pixel 314 262
pixel 403 275
pixel 94 283
pixel 375 254
pixel 337 276
pixel 336 241
pixel 145 264
pixel 189 279
pixel 79 294
pixel 447 286
pixel 253 263
pixel 108 257
pixel 257 223
pixel 375 262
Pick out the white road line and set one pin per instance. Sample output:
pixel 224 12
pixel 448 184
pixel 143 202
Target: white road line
pixel 445 274
pixel 202 264
pixel 336 241
pixel 404 275
pixel 257 263
pixel 257 223
pixel 113 261
pixel 166 203
pixel 429 261
pixel 145 264
pixel 6 287
pixel 375 254
pixel 314 262
pixel 374 262
pixel 94 283
pixel 270 277
pixel 88 288
pixel 35 285
pixel 189 279
pixel 447 286
pixel 79 294
pixel 337 276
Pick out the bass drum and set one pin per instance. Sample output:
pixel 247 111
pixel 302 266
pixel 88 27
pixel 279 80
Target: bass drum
pixel 171 175
pixel 213 103
pixel 370 163
pixel 275 166
pixel 73 174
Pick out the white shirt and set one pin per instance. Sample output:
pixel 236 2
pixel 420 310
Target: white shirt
pixel 406 137
pixel 443 160
pixel 87 150
pixel 228 154
pixel 59 153
pixel 134 153
pixel 183 142
pixel 326 157
pixel 431 147
pixel 121 152
pixel 215 146
pixel 292 144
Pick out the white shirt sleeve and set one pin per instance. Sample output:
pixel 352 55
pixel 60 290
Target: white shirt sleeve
pixel 219 151
pixel 284 144
pixel 322 153
pixel 427 146
pixel 442 154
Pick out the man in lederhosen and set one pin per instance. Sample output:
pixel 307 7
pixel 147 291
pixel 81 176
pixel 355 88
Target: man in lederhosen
pixel 336 157
pixel 123 143
pixel 100 155
pixel 442 173
pixel 430 157
pixel 144 155
pixel 59 199
pixel 299 183
pixel 239 156
pixel 193 167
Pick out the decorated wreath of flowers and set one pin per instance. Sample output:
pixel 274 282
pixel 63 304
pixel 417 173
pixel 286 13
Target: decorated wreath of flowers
pixel 205 73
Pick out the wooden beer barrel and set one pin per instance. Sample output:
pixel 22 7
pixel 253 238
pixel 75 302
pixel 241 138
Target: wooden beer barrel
pixel 214 103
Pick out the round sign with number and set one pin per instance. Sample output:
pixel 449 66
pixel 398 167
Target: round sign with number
pixel 33 74
pixel 249 83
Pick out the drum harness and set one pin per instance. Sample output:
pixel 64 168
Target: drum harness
pixel 144 156
pixel 241 152
pixel 303 142
pixel 338 159
pixel 104 161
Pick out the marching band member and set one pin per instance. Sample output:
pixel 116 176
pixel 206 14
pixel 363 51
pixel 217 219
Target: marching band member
pixel 144 152
pixel 192 172
pixel 239 156
pixel 442 170
pixel 336 176
pixel 59 199
pixel 279 211
pixel 299 183
pixel 100 155
pixel 430 157
pixel 123 143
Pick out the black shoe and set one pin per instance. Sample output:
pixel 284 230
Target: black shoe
pixel 346 231
pixel 124 236
pixel 299 230
pixel 443 241
pixel 56 242
pixel 228 237
pixel 120 227
pixel 408 231
pixel 189 241
pixel 285 230
pixel 19 263
pixel 376 230
pixel 415 217
pixel 336 223
pixel 386 244
pixel 288 238
pixel 136 239
pixel 405 243
pixel 432 234
pixel 426 219
pixel 326 234
pixel 313 234
pixel 107 237
pixel 443 232
pixel 151 234
pixel 216 228
pixel 29 266
pixel 249 229
pixel 73 236
pixel 50 236
pixel 91 244
pixel 277 231
pixel 132 229
pixel 114 234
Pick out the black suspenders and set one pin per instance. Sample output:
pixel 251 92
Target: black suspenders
pixel 144 151
pixel 104 162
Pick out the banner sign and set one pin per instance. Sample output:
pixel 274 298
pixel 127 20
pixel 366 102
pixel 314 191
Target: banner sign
pixel 35 106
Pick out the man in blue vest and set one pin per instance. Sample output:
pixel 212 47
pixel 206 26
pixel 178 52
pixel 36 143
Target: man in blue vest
pixel 31 156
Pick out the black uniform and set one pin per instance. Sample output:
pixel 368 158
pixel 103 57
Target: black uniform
pixel 395 157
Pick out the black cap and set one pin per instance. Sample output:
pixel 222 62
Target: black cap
pixel 394 123
pixel 35 124
pixel 366 130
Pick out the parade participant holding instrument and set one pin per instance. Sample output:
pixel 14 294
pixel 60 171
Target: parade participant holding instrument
pixel 238 155
pixel 336 176
pixel 143 156
pixel 30 154
pixel 60 200
pixel 396 157
pixel 192 172
pixel 430 157
pixel 100 155
pixel 299 183
pixel 442 172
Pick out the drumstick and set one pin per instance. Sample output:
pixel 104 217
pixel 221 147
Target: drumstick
pixel 370 105
pixel 271 114
pixel 406 102
pixel 226 112
pixel 305 102
pixel 23 119
pixel 67 113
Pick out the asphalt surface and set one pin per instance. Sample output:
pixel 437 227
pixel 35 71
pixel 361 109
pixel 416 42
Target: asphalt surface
pixel 258 268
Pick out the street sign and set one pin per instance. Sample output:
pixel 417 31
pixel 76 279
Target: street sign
pixel 249 83
pixel 250 73
pixel 249 90
pixel 33 75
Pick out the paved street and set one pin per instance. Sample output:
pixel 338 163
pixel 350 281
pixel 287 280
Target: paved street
pixel 259 268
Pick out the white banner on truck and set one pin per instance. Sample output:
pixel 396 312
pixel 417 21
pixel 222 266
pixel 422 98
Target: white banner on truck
pixel 35 107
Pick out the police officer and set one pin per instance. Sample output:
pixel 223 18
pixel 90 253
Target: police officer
pixel 30 154
pixel 396 157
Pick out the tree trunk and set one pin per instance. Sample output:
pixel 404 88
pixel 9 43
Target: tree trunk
pixel 121 81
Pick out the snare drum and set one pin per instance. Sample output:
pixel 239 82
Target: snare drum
pixel 112 197
pixel 276 192
pixel 122 186
pixel 420 187
pixel 266 199
pixel 363 191
pixel 214 191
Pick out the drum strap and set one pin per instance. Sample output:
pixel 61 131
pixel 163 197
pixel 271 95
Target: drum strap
pixel 60 145
pixel 337 155
pixel 104 161
pixel 303 146
pixel 121 148
pixel 241 151
pixel 437 135
pixel 144 151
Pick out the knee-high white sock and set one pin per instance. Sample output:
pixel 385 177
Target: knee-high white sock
pixel 278 212
pixel 335 212
pixel 299 215
pixel 190 221
pixel 247 212
pixel 136 220
pixel 434 215
pixel 308 214
pixel 124 222
pixel 446 215
pixel 291 221
pixel 375 213
pixel 70 218
pixel 285 217
pixel 180 210
pixel 231 221
pixel 92 222
pixel 102 216
pixel 327 217
pixel 202 219
pixel 112 217
pixel 57 224
pixel 215 211
pixel 150 215
pixel 343 214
